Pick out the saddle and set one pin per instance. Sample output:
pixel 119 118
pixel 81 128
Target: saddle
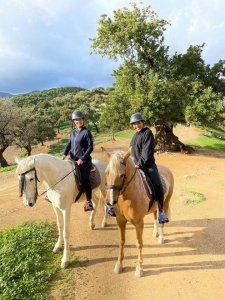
pixel 95 179
pixel 148 187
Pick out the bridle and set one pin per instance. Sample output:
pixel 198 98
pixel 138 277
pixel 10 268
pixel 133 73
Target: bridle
pixel 121 188
pixel 22 182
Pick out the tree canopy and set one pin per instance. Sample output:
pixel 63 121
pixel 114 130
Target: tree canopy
pixel 167 89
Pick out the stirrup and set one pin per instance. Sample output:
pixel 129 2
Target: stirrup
pixel 110 211
pixel 88 206
pixel 163 218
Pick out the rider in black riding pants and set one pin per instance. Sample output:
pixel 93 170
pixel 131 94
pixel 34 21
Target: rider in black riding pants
pixel 142 145
pixel 80 146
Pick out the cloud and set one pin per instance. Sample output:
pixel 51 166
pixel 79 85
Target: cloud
pixel 45 43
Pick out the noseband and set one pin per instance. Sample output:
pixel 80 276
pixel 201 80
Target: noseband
pixel 121 188
pixel 116 187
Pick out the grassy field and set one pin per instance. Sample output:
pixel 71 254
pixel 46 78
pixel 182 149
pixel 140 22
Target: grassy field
pixel 211 139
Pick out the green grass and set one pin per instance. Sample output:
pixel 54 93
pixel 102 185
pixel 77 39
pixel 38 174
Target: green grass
pixel 27 264
pixel 125 134
pixel 208 142
pixel 192 197
pixel 57 150
pixel 66 126
pixel 217 133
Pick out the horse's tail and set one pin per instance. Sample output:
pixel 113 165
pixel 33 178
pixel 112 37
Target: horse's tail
pixel 100 193
pixel 166 204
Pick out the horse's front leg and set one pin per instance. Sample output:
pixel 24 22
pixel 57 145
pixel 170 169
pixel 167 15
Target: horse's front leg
pixel 59 220
pixel 66 218
pixel 155 233
pixel 139 243
pixel 122 229
pixel 93 213
pixel 105 217
pixel 158 231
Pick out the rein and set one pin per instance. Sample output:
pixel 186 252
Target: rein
pixel 121 187
pixel 57 182
pixel 129 181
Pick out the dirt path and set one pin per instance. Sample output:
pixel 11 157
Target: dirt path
pixel 190 265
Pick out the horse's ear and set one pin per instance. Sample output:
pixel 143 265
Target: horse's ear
pixel 128 153
pixel 106 154
pixel 17 159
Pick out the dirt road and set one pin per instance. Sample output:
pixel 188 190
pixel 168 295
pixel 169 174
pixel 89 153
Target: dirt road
pixel 191 263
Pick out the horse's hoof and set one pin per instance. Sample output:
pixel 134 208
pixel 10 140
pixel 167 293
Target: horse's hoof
pixel 104 224
pixel 64 264
pixel 139 272
pixel 56 249
pixel 155 234
pixel 92 226
pixel 118 269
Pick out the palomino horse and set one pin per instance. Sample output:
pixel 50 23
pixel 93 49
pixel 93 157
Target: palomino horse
pixel 125 193
pixel 58 177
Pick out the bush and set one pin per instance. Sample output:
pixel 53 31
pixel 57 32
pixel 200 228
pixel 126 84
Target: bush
pixel 26 261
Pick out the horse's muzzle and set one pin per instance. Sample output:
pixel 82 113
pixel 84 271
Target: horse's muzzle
pixel 111 204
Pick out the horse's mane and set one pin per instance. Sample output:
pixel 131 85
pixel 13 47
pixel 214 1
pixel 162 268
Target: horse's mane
pixel 25 164
pixel 115 161
pixel 28 163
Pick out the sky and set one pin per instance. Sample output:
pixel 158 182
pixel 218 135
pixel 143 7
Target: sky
pixel 45 43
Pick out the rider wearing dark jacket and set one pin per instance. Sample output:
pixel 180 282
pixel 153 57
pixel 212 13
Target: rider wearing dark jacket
pixel 142 145
pixel 80 146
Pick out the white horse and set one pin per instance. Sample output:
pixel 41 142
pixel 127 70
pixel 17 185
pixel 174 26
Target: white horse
pixel 58 177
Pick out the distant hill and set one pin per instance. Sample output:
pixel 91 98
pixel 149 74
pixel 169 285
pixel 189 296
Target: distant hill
pixel 5 95
pixel 35 97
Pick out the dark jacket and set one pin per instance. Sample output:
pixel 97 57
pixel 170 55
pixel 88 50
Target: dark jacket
pixel 143 145
pixel 80 144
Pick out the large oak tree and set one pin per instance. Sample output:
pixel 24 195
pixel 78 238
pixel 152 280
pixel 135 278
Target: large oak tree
pixel 165 89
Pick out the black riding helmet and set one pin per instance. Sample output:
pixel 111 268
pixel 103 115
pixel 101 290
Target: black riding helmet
pixel 77 114
pixel 136 117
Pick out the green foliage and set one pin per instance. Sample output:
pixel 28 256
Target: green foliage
pixel 65 126
pixel 206 109
pixel 57 150
pixel 133 35
pixel 33 128
pixel 23 153
pixel 8 168
pixel 9 116
pixel 167 90
pixel 35 98
pixel 26 260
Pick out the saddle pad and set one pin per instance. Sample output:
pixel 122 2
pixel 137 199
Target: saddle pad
pixel 148 189
pixel 95 177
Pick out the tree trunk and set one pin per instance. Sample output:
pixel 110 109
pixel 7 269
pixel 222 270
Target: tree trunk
pixel 165 140
pixel 96 127
pixel 113 136
pixel 28 148
pixel 3 162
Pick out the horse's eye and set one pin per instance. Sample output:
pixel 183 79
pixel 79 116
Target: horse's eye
pixel 122 175
pixel 31 179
